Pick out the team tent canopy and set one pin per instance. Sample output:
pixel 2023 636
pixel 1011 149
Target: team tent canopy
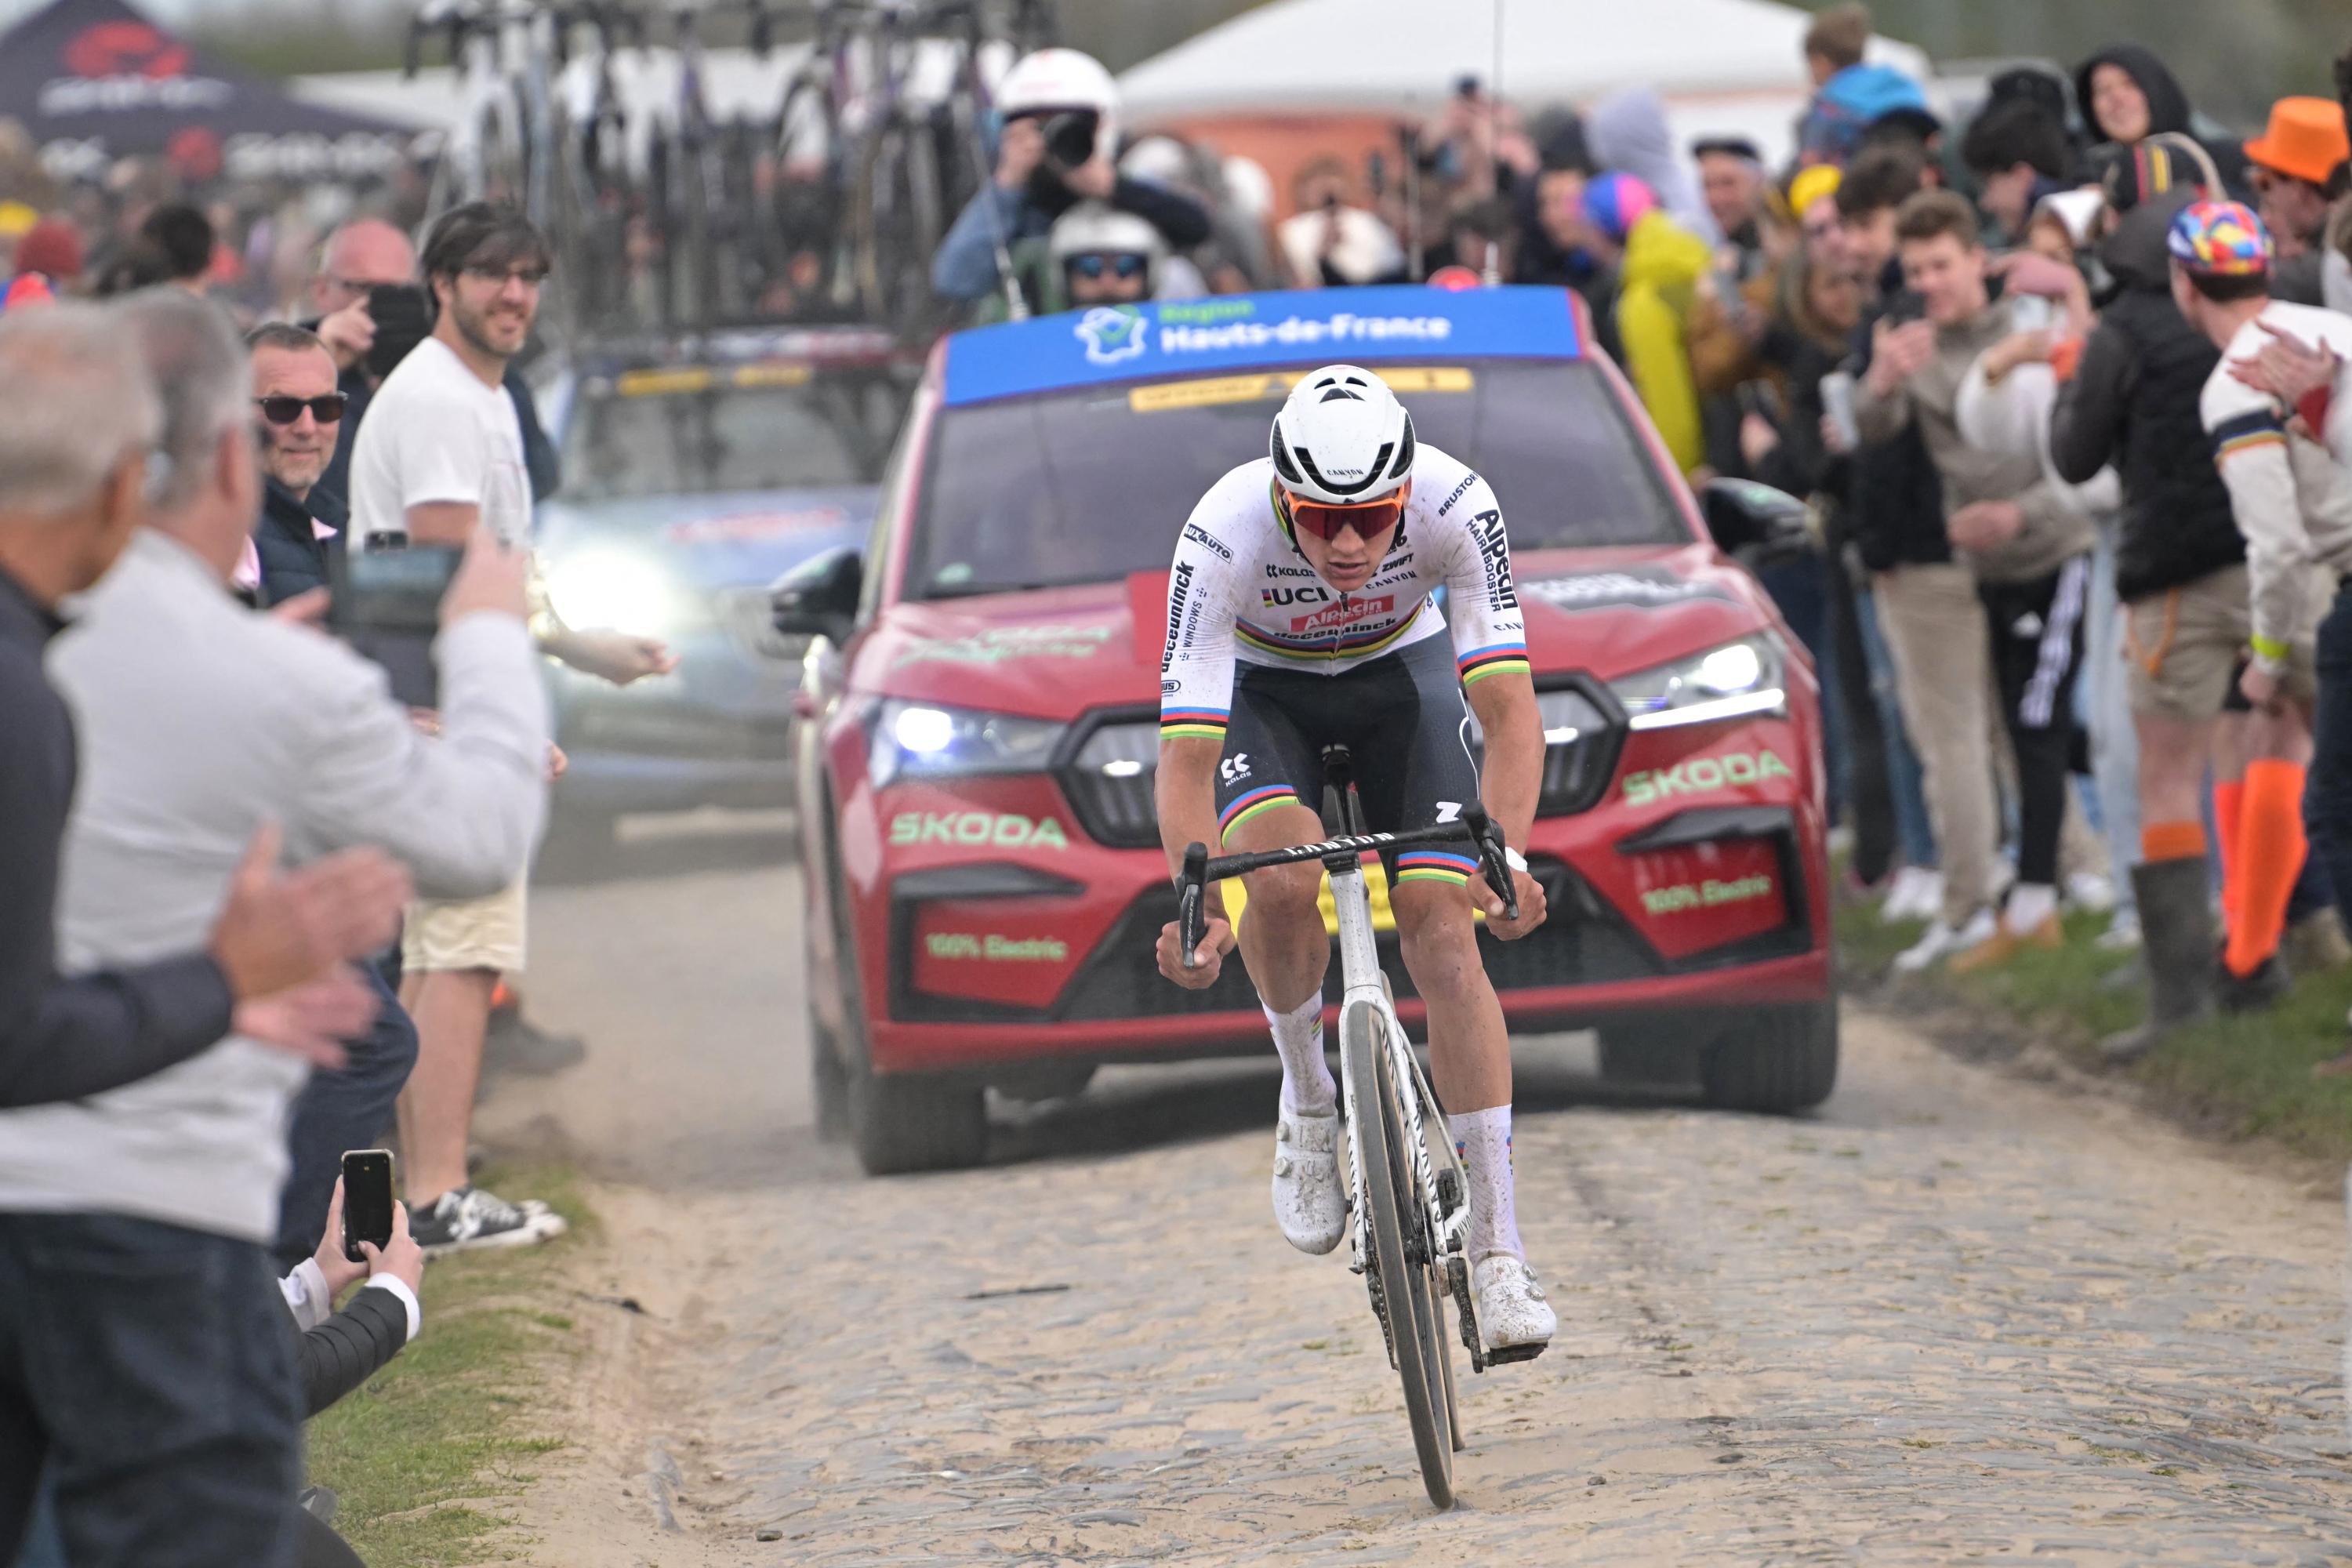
pixel 1721 65
pixel 94 81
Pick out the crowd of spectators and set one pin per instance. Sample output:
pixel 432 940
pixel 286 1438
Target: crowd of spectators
pixel 2062 387
pixel 2042 579
pixel 265 878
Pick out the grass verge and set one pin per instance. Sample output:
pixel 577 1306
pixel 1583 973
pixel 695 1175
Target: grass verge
pixel 419 1457
pixel 2234 1078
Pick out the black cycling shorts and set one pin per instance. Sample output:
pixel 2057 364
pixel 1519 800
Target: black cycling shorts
pixel 1403 719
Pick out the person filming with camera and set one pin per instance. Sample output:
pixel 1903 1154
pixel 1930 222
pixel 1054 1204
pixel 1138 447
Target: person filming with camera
pixel 1061 131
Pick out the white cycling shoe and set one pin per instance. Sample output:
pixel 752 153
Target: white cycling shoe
pixel 1307 1202
pixel 1516 1320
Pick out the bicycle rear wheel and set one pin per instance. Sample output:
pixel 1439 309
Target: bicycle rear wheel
pixel 1393 1211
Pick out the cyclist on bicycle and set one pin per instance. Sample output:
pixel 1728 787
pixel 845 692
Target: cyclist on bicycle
pixel 1298 617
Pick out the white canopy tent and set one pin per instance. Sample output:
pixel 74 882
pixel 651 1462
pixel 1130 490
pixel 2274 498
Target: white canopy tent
pixel 1722 65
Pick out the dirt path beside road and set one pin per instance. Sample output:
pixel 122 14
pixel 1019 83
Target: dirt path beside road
pixel 1957 1315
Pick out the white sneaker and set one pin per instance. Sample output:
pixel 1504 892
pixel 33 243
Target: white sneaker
pixel 1942 941
pixel 1916 894
pixel 1511 1306
pixel 1308 1204
pixel 2090 890
pixel 2123 934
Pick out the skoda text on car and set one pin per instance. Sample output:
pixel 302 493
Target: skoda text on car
pixel 695 473
pixel 985 880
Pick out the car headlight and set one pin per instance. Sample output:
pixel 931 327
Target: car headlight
pixel 925 740
pixel 1732 682
pixel 617 591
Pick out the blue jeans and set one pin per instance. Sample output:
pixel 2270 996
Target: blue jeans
pixel 1801 591
pixel 2327 792
pixel 1912 824
pixel 150 1369
pixel 340 1110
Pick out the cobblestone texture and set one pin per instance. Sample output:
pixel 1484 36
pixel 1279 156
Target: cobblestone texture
pixel 1957 1317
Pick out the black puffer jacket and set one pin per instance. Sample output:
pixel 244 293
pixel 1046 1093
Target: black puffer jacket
pixel 1895 498
pixel 2167 109
pixel 2133 401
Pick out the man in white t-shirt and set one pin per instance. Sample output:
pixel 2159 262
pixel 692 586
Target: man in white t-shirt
pixel 2292 499
pixel 441 453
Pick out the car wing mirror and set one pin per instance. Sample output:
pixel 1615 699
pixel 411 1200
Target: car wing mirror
pixel 1754 524
pixel 819 596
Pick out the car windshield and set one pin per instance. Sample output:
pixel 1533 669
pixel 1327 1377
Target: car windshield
pixel 697 432
pixel 1092 484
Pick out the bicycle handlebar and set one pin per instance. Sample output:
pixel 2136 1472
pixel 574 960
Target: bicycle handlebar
pixel 1191 887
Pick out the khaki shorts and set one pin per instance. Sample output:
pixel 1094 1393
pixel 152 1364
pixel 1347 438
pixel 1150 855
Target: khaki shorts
pixel 2185 646
pixel 444 934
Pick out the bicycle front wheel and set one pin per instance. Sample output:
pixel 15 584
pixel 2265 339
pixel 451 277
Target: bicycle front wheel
pixel 1393 1213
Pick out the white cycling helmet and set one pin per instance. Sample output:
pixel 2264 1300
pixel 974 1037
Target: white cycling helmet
pixel 1097 229
pixel 1342 437
pixel 1057 81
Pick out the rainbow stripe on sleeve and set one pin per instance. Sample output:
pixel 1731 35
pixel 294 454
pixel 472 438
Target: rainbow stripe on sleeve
pixel 1193 724
pixel 1481 662
pixel 1434 866
pixel 2247 433
pixel 1257 800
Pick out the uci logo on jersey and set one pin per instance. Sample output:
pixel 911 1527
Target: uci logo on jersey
pixel 1111 334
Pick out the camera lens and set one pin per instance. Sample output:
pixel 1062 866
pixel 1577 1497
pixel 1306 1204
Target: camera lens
pixel 1070 138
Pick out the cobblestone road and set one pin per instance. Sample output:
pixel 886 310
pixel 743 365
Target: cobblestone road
pixel 1955 1317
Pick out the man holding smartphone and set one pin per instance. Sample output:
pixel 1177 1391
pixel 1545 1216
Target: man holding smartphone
pixel 1061 131
pixel 440 457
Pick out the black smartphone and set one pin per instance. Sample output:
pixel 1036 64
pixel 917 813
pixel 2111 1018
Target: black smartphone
pixel 367 1200
pixel 385 602
pixel 403 319
pixel 1908 306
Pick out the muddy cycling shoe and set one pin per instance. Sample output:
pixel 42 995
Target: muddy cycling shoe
pixel 1516 1320
pixel 1308 1204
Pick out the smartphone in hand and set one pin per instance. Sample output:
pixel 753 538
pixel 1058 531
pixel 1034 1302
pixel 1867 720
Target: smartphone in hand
pixel 367 1200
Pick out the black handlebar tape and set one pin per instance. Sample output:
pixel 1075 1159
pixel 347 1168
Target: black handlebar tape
pixel 1191 923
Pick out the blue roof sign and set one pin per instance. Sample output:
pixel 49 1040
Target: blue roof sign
pixel 1237 331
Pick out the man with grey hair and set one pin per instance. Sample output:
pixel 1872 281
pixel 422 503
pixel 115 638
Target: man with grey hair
pixel 76 420
pixel 133 1223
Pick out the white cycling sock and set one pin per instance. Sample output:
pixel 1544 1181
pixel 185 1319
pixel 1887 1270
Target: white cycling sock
pixel 1306 1081
pixel 1483 1138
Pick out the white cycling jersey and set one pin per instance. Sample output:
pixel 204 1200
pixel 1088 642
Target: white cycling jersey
pixel 1242 592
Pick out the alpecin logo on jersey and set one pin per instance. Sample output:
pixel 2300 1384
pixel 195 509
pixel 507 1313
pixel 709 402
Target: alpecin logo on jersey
pixel 1495 551
pixel 1111 334
pixel 1341 615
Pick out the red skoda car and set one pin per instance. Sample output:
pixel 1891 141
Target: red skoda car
pixel 980 716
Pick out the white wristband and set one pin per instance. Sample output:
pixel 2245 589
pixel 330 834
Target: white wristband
pixel 1513 858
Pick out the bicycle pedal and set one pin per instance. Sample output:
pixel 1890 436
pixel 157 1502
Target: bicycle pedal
pixel 1505 1354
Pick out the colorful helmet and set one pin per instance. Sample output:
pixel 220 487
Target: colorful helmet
pixel 1342 437
pixel 24 289
pixel 2220 239
pixel 1613 204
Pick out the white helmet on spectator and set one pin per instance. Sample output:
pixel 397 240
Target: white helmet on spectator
pixel 1342 437
pixel 1057 81
pixel 1097 229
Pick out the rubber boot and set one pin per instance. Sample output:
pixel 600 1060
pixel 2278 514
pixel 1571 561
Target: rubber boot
pixel 2180 952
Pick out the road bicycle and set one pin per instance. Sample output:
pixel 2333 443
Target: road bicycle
pixel 1408 1193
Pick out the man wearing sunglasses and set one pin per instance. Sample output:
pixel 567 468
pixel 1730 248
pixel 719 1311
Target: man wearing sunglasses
pixel 1300 616
pixel 298 422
